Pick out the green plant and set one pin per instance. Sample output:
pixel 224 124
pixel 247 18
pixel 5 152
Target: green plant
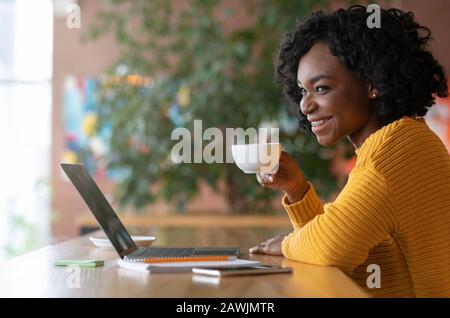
pixel 201 68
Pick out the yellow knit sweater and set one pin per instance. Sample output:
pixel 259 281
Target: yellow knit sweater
pixel 394 212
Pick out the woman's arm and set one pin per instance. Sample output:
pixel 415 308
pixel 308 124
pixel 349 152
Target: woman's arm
pixel 290 179
pixel 362 216
pixel 298 193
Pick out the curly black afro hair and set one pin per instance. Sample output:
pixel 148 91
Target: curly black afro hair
pixel 393 58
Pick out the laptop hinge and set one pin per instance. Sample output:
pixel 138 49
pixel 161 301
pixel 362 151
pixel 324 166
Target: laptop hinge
pixel 129 251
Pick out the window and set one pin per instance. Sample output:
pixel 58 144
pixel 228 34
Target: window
pixel 26 35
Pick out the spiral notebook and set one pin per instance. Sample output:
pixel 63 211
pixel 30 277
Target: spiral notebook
pixel 121 239
pixel 182 254
pixel 176 267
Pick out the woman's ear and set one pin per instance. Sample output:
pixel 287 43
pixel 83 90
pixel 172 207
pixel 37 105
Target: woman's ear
pixel 372 91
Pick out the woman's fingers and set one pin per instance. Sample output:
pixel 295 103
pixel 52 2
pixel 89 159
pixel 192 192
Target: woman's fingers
pixel 271 246
pixel 259 249
pixel 255 250
pixel 261 179
pixel 262 248
pixel 264 178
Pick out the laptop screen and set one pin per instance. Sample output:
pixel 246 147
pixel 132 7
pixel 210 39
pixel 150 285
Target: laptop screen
pixel 101 208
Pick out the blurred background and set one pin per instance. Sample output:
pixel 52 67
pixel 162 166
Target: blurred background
pixel 104 83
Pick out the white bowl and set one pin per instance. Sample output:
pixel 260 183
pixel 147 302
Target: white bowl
pixel 254 158
pixel 140 241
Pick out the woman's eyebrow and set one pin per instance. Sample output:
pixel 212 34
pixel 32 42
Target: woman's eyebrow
pixel 316 78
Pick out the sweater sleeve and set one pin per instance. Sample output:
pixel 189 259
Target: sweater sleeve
pixel 301 212
pixel 344 232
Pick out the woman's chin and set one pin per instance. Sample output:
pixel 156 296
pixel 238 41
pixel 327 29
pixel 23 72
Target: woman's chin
pixel 326 142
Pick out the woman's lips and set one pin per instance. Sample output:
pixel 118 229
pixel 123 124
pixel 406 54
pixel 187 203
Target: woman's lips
pixel 319 125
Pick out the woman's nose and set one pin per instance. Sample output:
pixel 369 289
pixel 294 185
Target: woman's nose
pixel 307 106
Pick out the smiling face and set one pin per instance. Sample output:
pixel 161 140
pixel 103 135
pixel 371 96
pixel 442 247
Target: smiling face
pixel 334 100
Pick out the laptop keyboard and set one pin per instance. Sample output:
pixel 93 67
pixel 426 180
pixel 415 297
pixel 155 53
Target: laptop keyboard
pixel 163 252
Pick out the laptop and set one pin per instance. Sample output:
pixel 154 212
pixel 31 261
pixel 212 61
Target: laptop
pixel 119 236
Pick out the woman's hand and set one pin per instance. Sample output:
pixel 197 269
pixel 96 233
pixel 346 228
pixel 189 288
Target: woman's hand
pixel 270 247
pixel 289 178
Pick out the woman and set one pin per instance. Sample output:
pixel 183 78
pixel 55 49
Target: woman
pixel 371 86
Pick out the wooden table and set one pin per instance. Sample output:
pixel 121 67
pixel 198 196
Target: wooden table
pixel 34 274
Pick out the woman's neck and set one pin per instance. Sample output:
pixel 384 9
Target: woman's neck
pixel 371 126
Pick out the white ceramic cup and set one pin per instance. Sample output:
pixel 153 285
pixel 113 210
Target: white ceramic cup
pixel 257 158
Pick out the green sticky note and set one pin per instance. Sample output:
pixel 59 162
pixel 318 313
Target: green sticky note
pixel 81 263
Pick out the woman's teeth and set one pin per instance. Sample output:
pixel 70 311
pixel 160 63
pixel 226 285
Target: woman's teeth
pixel 318 123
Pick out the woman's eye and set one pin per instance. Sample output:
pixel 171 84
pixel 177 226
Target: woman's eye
pixel 321 88
pixel 303 91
